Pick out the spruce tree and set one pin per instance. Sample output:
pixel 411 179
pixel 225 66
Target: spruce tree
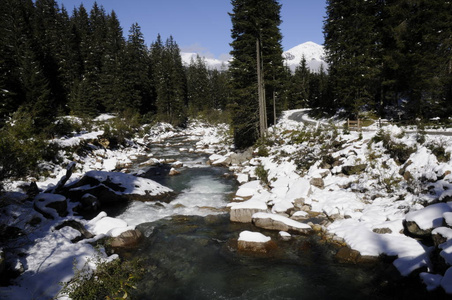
pixel 136 71
pixel 352 46
pixel 198 86
pixel 113 92
pixel 256 45
pixel 170 81
pixel 85 89
pixel 301 85
pixel 219 89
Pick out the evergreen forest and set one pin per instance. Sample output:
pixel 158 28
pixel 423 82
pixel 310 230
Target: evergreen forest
pixel 384 57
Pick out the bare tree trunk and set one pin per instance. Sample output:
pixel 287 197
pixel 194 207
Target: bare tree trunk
pixel 261 92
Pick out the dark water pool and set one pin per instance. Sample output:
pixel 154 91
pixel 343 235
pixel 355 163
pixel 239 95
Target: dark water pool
pixel 197 258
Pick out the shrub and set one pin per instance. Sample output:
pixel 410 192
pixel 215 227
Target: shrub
pixel 121 128
pixel 398 151
pixel 439 151
pixel 21 149
pixel 110 280
pixel 262 174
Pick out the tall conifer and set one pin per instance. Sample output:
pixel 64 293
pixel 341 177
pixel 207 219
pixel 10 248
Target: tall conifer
pixel 254 25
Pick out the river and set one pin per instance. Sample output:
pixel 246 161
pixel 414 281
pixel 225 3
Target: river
pixel 190 247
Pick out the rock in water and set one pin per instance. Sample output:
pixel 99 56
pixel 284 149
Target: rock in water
pixel 126 240
pixel 254 242
pixel 280 223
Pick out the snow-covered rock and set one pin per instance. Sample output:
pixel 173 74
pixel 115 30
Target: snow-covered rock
pixel 280 223
pixel 115 187
pixel 253 242
pixel 422 222
pixel 51 206
pixel 242 212
pixel 247 190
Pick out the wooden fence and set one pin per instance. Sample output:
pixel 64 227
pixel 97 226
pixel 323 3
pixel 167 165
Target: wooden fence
pixel 354 125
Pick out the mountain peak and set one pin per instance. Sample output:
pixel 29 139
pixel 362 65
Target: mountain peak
pixel 312 52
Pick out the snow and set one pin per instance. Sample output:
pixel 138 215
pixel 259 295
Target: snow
pixel 249 204
pixel 429 217
pixel 210 62
pixel 446 282
pixel 107 226
pixel 300 214
pixel 256 237
pixel 248 189
pixel 448 218
pixel 42 200
pixel 356 207
pixel 281 219
pixel 313 53
pixel 432 281
pixel 130 183
pixel 77 139
pixel 284 234
pixel 104 117
pixel 445 232
pixel 50 260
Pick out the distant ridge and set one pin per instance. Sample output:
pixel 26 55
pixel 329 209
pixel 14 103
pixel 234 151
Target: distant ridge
pixel 211 63
pixel 313 53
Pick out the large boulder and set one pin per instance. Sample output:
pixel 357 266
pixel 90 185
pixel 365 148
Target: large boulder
pixel 242 212
pixel 353 170
pixel 84 233
pixel 420 223
pixel 126 240
pixel 280 223
pixel 51 206
pixel 110 187
pixel 219 160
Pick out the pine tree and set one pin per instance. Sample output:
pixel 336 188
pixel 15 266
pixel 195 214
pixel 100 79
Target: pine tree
pixel 113 94
pixel 256 46
pixel 301 85
pixel 50 36
pixel 82 99
pixel 15 30
pixel 170 81
pixel 198 86
pixel 219 89
pixel 352 45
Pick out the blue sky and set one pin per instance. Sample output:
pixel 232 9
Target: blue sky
pixel 204 26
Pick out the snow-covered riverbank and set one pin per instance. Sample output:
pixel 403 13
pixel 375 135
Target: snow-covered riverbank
pixel 35 241
pixel 368 190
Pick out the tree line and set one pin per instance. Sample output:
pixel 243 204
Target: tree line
pixel 390 55
pixel 384 56
pixel 53 63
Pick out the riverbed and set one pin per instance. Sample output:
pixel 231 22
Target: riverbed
pixel 190 248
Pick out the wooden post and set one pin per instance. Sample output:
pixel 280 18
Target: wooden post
pixel 261 92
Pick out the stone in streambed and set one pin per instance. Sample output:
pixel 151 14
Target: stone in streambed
pixel 254 242
pixel 242 212
pixel 126 240
pixel 280 223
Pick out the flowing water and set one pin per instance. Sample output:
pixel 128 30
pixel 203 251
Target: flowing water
pixel 190 247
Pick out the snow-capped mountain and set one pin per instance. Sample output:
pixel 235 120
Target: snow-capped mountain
pixel 313 53
pixel 212 63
